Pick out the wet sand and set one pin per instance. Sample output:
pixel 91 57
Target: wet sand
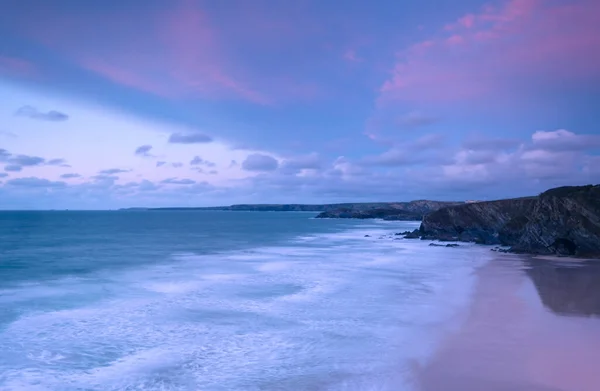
pixel 534 325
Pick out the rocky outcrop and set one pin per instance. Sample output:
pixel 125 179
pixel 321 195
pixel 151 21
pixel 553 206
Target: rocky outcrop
pixel 413 210
pixel 561 221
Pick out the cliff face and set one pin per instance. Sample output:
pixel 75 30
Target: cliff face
pixel 413 210
pixel 563 221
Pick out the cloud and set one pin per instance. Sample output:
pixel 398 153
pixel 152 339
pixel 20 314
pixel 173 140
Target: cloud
pixel 479 142
pixel 542 161
pixel 441 170
pixel 33 113
pixel 112 171
pixel 197 160
pixel 4 155
pixel 307 162
pixel 104 180
pixel 351 56
pixel 160 164
pixel 177 165
pixel 3 175
pixel 416 119
pixel 13 168
pixel 422 150
pixel 17 67
pixel 141 186
pixel 189 138
pixel 57 162
pixel 498 52
pixel 564 140
pixel 69 176
pixel 35 182
pixel 143 150
pixel 176 181
pixel 17 162
pixel 260 162
pixel 25 160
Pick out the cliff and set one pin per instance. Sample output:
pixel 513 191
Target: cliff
pixel 561 221
pixel 416 208
pixel 413 210
pixel 273 207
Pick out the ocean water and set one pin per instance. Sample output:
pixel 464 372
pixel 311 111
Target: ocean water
pixel 210 300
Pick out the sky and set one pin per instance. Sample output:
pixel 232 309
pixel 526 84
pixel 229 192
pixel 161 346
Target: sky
pixel 140 103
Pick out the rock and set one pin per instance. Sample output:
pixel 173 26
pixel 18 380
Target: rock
pixel 367 236
pixel 416 234
pixel 561 221
pixel 444 245
pixel 397 211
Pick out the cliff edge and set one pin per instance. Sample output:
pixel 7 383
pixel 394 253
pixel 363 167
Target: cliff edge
pixel 413 210
pixel 560 221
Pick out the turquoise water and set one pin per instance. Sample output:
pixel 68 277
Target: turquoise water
pixel 209 300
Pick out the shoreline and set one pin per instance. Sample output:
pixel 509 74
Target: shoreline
pixel 530 327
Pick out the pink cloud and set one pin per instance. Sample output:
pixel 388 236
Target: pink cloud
pixel 16 67
pixel 175 53
pixel 350 55
pixel 497 51
pixel 124 76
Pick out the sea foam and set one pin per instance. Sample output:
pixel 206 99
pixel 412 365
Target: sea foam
pixel 335 311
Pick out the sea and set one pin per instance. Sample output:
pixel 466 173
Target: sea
pixel 222 300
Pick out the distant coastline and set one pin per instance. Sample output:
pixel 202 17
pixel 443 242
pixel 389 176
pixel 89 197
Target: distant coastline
pixel 420 205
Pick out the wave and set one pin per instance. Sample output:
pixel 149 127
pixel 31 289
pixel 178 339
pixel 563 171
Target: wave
pixel 336 311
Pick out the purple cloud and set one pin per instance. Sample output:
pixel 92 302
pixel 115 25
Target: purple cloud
pixel 33 113
pixel 260 162
pixel 26 161
pixel 197 160
pixel 57 162
pixel 13 167
pixel 143 150
pixel 70 176
pixel 35 182
pixel 112 171
pixel 189 138
pixel 176 181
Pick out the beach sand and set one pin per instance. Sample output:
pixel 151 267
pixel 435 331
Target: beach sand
pixel 534 325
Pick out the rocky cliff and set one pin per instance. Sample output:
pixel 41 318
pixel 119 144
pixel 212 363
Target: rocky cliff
pixel 413 210
pixel 282 207
pixel 562 221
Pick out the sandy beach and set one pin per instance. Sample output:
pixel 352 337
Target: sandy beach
pixel 534 325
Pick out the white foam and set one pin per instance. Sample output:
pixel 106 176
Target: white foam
pixel 304 314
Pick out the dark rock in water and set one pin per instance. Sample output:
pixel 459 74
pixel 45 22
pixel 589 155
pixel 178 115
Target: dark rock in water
pixel 367 236
pixel 416 234
pixel 402 233
pixel 561 221
pixel 444 245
